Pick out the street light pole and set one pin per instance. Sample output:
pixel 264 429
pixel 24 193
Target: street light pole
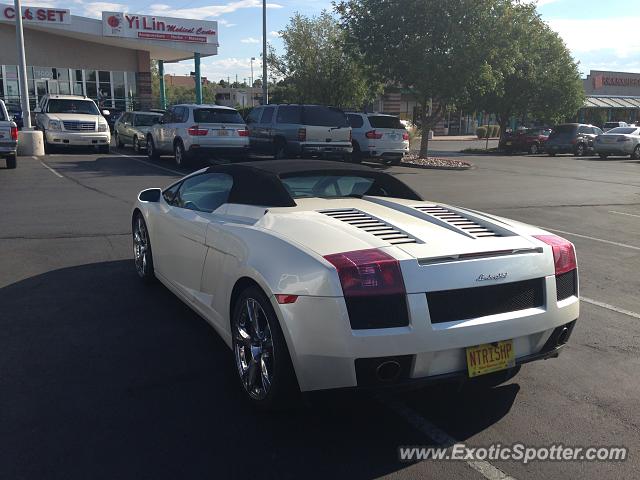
pixel 22 68
pixel 251 86
pixel 265 93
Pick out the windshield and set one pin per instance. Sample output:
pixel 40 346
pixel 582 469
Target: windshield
pixel 385 121
pixel 147 120
pixel 320 116
pixel 216 115
pixel 622 130
pixel 87 107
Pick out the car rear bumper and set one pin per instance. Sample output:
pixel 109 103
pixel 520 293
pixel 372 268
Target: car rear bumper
pixel 386 152
pixel 615 149
pixel 325 349
pixel 78 139
pixel 324 149
pixel 8 148
pixel 205 150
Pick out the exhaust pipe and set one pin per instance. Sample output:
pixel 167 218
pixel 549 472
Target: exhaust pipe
pixel 388 371
pixel 563 336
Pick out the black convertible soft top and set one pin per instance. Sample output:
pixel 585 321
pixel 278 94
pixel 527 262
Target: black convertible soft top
pixel 258 182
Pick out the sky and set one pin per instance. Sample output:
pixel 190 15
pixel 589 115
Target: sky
pixel 602 35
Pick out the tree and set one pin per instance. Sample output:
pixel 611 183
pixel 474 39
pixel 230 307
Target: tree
pixel 437 48
pixel 534 71
pixel 317 68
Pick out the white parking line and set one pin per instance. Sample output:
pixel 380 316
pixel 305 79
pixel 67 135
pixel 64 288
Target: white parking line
pixel 48 167
pixel 442 438
pixel 624 213
pixel 611 307
pixel 160 167
pixel 596 239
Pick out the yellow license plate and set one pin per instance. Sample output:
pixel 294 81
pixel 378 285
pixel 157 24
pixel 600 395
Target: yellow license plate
pixel 223 133
pixel 490 357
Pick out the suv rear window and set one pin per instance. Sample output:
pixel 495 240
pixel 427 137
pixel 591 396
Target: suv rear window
pixel 623 130
pixel 384 121
pixel 570 129
pixel 355 120
pixel 288 114
pixel 58 105
pixel 320 116
pixel 216 115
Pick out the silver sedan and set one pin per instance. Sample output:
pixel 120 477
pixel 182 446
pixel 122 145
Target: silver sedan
pixel 619 141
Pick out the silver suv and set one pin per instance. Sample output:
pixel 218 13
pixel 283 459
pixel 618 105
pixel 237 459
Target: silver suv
pixel 299 130
pixel 187 131
pixel 379 136
pixel 8 137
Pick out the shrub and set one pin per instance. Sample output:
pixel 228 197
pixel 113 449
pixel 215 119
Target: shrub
pixel 495 131
pixel 481 132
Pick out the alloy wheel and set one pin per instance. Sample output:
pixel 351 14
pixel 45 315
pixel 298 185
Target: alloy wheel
pixel 636 152
pixel 179 154
pixel 136 145
pixel 253 349
pixel 140 246
pixel 534 149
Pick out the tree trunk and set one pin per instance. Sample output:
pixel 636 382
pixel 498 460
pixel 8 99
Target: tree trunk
pixel 428 122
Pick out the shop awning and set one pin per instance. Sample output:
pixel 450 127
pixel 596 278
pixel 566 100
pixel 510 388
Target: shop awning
pixel 611 102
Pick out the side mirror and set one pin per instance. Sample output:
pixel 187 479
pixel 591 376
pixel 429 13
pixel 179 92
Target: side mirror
pixel 150 195
pixel 106 113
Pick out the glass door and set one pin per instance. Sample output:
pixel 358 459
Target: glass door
pixel 53 87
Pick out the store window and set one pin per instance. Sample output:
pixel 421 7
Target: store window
pixel 77 82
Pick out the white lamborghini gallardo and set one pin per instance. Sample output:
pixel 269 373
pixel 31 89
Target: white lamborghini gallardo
pixel 323 275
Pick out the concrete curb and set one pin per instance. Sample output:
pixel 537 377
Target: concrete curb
pixel 434 167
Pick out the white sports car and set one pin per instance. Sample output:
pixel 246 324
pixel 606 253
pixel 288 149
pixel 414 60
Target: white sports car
pixel 323 275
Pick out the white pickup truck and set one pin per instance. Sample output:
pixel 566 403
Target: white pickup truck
pixel 8 137
pixel 71 120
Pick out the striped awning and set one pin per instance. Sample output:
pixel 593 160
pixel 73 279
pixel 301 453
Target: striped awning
pixel 612 102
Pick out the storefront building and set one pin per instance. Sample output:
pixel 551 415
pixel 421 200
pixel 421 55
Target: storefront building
pixel 611 96
pixel 107 60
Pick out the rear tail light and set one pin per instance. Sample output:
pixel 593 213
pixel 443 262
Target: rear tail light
pixel 564 255
pixel 405 136
pixel 196 131
pixel 368 272
pixel 373 135
pixel 243 133
pixel 302 134
pixel 14 133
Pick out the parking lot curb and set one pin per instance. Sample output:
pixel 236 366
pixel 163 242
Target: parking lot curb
pixel 435 167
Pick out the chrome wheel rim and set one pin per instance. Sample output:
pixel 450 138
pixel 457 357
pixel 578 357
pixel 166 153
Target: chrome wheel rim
pixel 178 154
pixel 140 246
pixel 136 145
pixel 253 349
pixel 150 147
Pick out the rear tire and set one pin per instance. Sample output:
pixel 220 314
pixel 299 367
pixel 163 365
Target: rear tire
pixel 262 359
pixel 580 150
pixel 603 156
pixel 534 149
pixel 636 153
pixel 279 149
pixel 118 142
pixel 152 153
pixel 179 154
pixel 11 162
pixel 356 156
pixel 551 154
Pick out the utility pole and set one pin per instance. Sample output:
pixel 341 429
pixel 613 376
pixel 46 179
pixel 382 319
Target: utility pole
pixel 265 93
pixel 251 86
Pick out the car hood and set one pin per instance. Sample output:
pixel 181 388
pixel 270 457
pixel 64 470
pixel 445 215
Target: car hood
pixel 76 117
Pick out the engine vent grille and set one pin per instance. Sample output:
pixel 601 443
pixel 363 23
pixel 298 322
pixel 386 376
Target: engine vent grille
pixel 460 222
pixel 465 303
pixel 370 224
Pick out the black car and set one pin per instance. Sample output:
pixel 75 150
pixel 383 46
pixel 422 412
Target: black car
pixel 576 138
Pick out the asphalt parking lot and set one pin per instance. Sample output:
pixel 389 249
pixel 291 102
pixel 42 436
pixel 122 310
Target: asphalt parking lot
pixel 103 377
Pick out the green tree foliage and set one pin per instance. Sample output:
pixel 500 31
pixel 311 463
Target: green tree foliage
pixel 317 68
pixel 534 71
pixel 437 48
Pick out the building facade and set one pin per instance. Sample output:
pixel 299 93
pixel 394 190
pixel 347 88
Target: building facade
pixel 107 60
pixel 611 96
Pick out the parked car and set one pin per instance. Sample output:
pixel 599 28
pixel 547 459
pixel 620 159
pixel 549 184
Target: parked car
pixel 8 137
pixel 322 275
pixel 189 131
pixel 530 140
pixel 576 138
pixel 132 128
pixel 619 141
pixel 299 130
pixel 72 120
pixel 378 136
pixel 609 125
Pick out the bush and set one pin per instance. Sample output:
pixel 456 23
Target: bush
pixel 495 131
pixel 481 132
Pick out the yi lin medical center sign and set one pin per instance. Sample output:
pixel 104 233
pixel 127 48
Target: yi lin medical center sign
pixel 118 24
